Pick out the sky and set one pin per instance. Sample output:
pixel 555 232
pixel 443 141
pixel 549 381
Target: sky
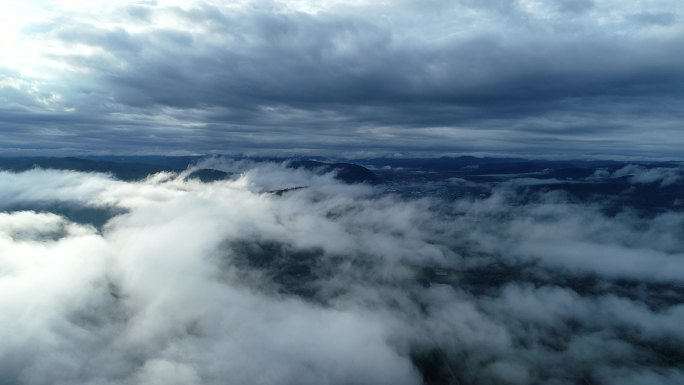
pixel 554 78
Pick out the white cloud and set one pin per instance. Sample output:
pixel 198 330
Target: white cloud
pixel 666 176
pixel 165 293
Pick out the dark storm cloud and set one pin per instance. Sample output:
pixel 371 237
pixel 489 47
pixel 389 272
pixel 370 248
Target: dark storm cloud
pixel 656 18
pixel 473 67
pixel 575 6
pixel 318 61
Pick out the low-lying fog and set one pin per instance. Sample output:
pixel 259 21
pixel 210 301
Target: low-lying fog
pixel 171 280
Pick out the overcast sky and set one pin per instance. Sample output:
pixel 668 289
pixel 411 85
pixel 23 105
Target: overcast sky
pixel 346 78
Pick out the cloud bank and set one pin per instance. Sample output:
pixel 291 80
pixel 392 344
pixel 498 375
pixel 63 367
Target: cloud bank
pixel 226 282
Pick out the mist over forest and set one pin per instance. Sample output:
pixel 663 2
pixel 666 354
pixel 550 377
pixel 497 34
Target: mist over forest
pixel 437 271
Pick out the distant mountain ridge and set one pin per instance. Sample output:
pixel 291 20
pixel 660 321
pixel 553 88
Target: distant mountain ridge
pixel 141 167
pixel 123 171
pixel 346 172
pixel 470 167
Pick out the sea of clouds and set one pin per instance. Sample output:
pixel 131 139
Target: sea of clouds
pixel 230 282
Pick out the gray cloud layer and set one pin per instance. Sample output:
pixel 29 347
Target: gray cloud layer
pixel 225 283
pixel 440 76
